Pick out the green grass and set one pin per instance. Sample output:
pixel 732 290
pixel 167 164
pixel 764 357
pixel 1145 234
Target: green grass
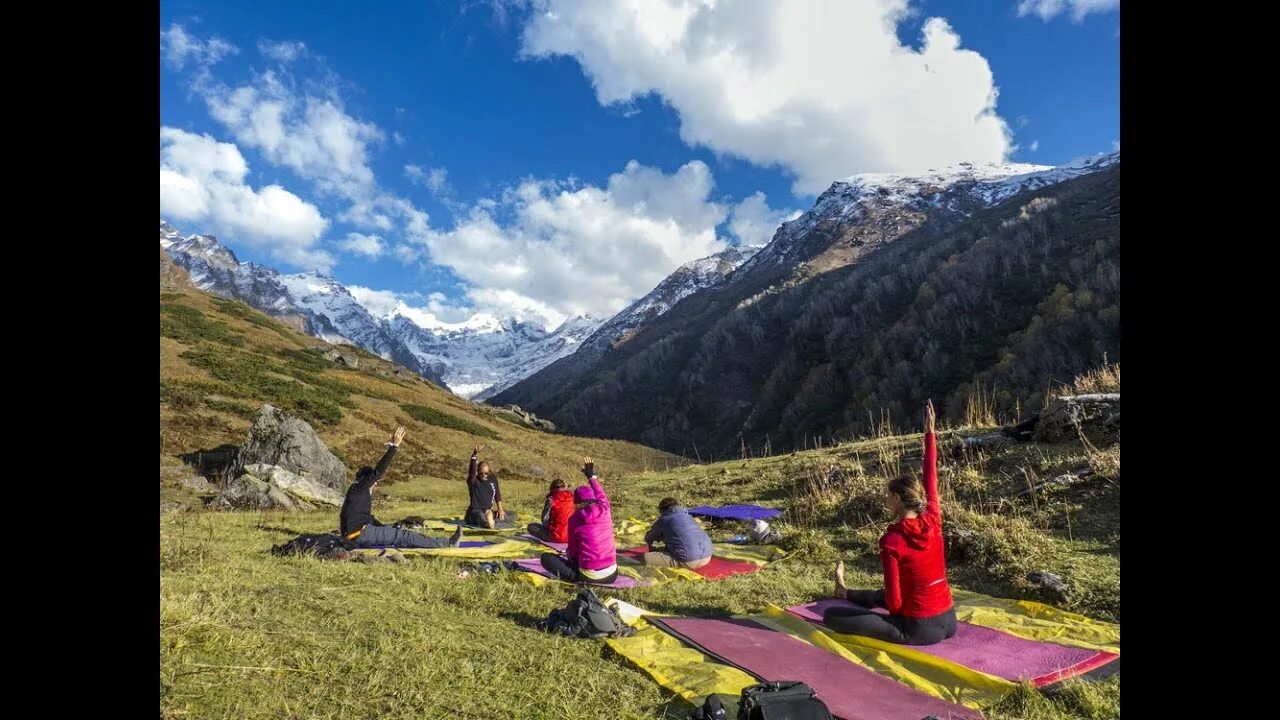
pixel 431 416
pixel 247 635
pixel 238 309
pixel 188 325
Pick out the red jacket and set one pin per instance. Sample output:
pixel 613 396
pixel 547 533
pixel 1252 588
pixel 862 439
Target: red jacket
pixel 911 553
pixel 555 515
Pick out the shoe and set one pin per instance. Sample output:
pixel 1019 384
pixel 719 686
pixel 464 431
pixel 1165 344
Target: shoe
pixel 455 539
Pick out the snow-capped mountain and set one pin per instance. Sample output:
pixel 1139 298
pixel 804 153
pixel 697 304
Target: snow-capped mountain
pixel 873 198
pixel 687 279
pixel 847 225
pixel 469 357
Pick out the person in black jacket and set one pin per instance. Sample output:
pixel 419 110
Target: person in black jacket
pixel 484 508
pixel 360 526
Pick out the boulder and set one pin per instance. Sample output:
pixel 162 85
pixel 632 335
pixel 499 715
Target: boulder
pixel 1049 585
pixel 280 439
pixel 195 483
pixel 340 357
pixel 301 487
pixel 245 492
pixel 1097 416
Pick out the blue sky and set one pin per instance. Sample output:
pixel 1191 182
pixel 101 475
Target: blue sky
pixel 475 157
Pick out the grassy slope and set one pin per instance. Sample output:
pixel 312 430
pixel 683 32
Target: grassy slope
pixel 247 635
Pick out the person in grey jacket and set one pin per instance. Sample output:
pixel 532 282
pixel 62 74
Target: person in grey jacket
pixel 685 543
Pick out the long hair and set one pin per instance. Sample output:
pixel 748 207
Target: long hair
pixel 908 489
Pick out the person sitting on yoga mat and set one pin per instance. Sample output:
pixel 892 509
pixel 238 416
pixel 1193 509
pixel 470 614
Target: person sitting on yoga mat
pixel 685 543
pixel 357 522
pixel 916 592
pixel 485 509
pixel 592 556
pixel 555 514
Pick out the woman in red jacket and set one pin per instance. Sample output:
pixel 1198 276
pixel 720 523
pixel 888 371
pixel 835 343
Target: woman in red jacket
pixel 915 591
pixel 555 514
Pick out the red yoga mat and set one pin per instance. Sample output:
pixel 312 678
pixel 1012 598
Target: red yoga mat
pixel 850 691
pixel 718 569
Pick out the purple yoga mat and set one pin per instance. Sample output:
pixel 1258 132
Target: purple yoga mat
pixel 558 547
pixel 534 565
pixel 736 512
pixel 992 651
pixel 850 692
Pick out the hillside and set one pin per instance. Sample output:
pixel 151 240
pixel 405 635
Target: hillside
pixel 248 635
pixel 220 361
pixel 983 292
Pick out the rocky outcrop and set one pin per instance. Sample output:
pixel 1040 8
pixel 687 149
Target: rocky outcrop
pixel 282 440
pixel 270 487
pixel 1097 416
pixel 299 487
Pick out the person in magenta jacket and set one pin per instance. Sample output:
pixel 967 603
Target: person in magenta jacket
pixel 591 556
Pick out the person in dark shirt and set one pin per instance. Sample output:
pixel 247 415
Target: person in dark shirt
pixel 357 522
pixel 485 507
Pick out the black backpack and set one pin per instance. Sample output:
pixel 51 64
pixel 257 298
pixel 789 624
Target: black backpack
pixel 585 616
pixel 783 700
pixel 712 709
pixel 321 545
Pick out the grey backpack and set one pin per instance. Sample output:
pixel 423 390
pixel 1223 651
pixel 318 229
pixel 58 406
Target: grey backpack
pixel 585 616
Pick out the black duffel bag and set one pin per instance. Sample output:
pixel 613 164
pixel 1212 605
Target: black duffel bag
pixel 782 700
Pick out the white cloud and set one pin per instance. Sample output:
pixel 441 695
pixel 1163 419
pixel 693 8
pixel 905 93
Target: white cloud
pixel 1049 9
pixel 370 246
pixel 434 179
pixel 309 132
pixel 203 181
pixel 1035 145
pixel 285 52
pixel 548 250
pixel 753 223
pixel 1115 145
pixel 312 136
pixel 822 88
pixel 179 47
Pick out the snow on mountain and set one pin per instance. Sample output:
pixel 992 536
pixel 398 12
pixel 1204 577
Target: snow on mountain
pixel 478 354
pixel 962 188
pixel 687 279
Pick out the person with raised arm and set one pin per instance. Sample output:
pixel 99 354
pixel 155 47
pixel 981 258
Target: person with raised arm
pixel 357 523
pixel 485 506
pixel 591 556
pixel 915 592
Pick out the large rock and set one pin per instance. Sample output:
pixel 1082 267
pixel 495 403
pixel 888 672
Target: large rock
pixel 1097 416
pixel 244 493
pixel 280 439
pixel 302 488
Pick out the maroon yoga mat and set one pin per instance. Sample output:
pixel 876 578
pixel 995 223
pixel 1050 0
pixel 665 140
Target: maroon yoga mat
pixel 992 651
pixel 534 565
pixel 850 691
pixel 718 569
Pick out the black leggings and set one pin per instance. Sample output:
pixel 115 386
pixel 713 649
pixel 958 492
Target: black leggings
pixel 568 571
pixel 890 628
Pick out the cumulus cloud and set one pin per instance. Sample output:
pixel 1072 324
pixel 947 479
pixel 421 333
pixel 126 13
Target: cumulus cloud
pixel 822 88
pixel 304 126
pixel 285 52
pixel 1035 145
pixel 753 223
pixel 180 47
pixel 547 250
pixel 370 246
pixel 203 181
pixel 1049 9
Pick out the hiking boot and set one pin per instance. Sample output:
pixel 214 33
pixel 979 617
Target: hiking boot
pixel 455 539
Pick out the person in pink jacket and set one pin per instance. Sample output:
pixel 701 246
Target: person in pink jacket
pixel 591 556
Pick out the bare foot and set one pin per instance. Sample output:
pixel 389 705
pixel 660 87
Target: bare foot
pixel 840 588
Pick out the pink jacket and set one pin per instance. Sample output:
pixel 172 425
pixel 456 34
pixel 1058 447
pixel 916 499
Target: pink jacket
pixel 591 532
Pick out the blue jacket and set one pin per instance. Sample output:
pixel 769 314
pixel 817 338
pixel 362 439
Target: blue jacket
pixel 685 540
